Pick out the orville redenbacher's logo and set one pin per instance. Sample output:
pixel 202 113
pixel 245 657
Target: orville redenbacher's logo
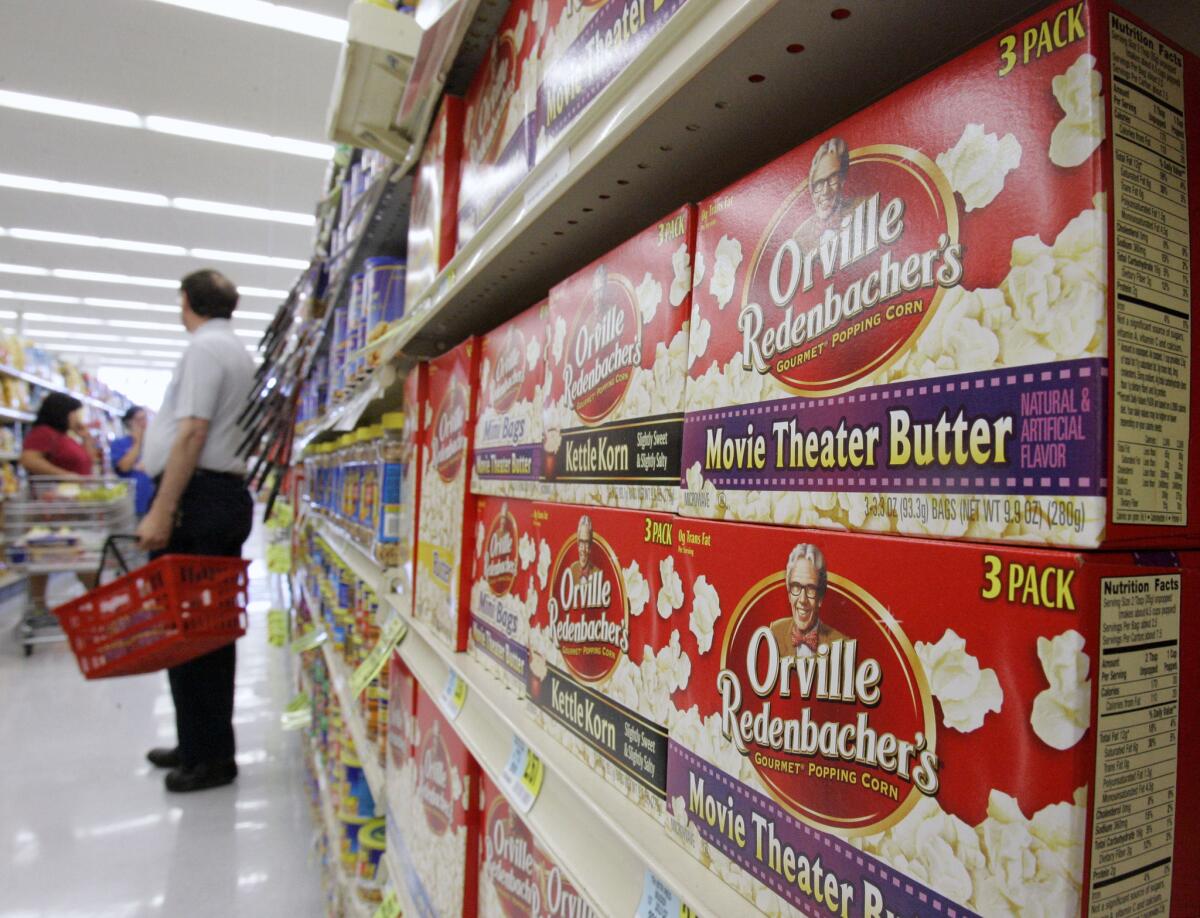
pixel 510 862
pixel 509 372
pixel 588 608
pixel 449 442
pixel 821 689
pixel 850 267
pixel 604 346
pixel 500 552
pixel 434 782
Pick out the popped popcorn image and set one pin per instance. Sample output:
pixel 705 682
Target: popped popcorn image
pixel 446 515
pixel 670 593
pixel 706 609
pixel 502 582
pixel 1081 130
pixel 966 692
pixel 508 432
pixel 1062 713
pixel 977 164
pixel 913 323
pixel 637 588
pixel 614 383
pixel 865 702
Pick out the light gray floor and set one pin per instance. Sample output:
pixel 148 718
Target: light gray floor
pixel 86 828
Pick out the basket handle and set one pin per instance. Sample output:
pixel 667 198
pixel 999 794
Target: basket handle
pixel 110 544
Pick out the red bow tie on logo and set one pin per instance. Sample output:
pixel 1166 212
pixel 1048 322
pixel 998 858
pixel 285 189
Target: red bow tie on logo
pixel 805 638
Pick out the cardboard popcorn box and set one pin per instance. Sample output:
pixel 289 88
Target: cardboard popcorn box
pixel 503 587
pixel 399 775
pixel 604 643
pixel 996 726
pixel 582 48
pixel 616 372
pixel 518 878
pixel 497 144
pixel 404 551
pixel 433 221
pixel 446 515
pixel 438 845
pixel 508 433
pixel 965 311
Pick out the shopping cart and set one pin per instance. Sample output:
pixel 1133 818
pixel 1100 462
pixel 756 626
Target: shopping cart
pixel 161 614
pixel 57 525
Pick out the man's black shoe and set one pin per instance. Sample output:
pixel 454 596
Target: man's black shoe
pixel 201 777
pixel 164 758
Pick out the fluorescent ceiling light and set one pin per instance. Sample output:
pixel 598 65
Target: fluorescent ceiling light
pixel 78 336
pixel 23 269
pixel 265 292
pixel 39 297
pixel 160 342
pixel 87 349
pixel 98 242
pixel 65 108
pixel 180 127
pixel 149 199
pixel 152 326
pixel 275 15
pixel 254 316
pixel 62 320
pixel 246 259
pixel 103 277
pixel 172 354
pixel 153 248
pixel 241 210
pixel 255 140
pixel 104 303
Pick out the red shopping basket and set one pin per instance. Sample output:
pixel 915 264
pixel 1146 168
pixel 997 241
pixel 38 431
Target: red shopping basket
pixel 172 610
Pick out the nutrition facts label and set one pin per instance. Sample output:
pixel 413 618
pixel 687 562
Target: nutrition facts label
pixel 1137 723
pixel 1152 316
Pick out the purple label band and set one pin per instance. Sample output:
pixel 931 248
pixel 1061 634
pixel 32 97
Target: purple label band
pixel 615 35
pixel 510 463
pixel 492 182
pixel 512 656
pixel 792 858
pixel 1029 430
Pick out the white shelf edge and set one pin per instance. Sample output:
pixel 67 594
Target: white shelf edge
pixel 333 831
pixel 352 718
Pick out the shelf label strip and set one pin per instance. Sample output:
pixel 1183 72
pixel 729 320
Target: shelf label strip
pixel 393 633
pixel 298 714
pixel 660 901
pixel 310 641
pixel 454 695
pixel 523 776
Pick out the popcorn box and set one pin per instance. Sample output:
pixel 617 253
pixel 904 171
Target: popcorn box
pixel 964 311
pixel 497 147
pixel 604 644
pixel 438 845
pixel 508 434
pixel 518 878
pixel 503 588
pixel 996 727
pixel 446 516
pixel 433 220
pixel 399 775
pixel 616 370
pixel 415 394
pixel 582 48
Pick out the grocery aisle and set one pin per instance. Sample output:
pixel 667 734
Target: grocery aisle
pixel 87 827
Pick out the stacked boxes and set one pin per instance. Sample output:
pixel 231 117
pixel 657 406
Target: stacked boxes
pixel 415 395
pixel 508 434
pixel 437 839
pixel 503 593
pixel 516 875
pixel 616 371
pixel 433 222
pixel 446 523
pixel 605 653
pixel 999 725
pixel 964 320
pixel 497 147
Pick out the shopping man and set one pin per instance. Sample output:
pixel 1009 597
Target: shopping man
pixel 201 507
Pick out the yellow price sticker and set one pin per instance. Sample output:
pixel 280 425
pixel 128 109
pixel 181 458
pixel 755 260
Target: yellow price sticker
pixel 310 641
pixel 523 776
pixel 277 628
pixel 389 907
pixel 454 695
pixel 298 714
pixel 393 633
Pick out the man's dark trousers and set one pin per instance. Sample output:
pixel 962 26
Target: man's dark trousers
pixel 215 517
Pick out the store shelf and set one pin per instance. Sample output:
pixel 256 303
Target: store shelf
pixel 365 567
pixel 56 387
pixel 345 416
pixel 339 677
pixel 354 906
pixel 15 414
pixel 577 812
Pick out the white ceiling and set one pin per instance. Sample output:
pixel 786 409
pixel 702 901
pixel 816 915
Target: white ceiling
pixel 152 58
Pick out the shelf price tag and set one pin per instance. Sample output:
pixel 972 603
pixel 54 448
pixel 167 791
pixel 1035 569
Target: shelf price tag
pixel 523 776
pixel 660 901
pixel 454 695
pixel 393 633
pixel 310 641
pixel 277 628
pixel 298 714
pixel 389 907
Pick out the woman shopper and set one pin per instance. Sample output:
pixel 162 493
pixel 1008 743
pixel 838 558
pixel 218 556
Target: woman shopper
pixel 53 447
pixel 126 456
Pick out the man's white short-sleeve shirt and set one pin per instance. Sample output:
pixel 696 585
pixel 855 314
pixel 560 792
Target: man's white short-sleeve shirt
pixel 212 381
